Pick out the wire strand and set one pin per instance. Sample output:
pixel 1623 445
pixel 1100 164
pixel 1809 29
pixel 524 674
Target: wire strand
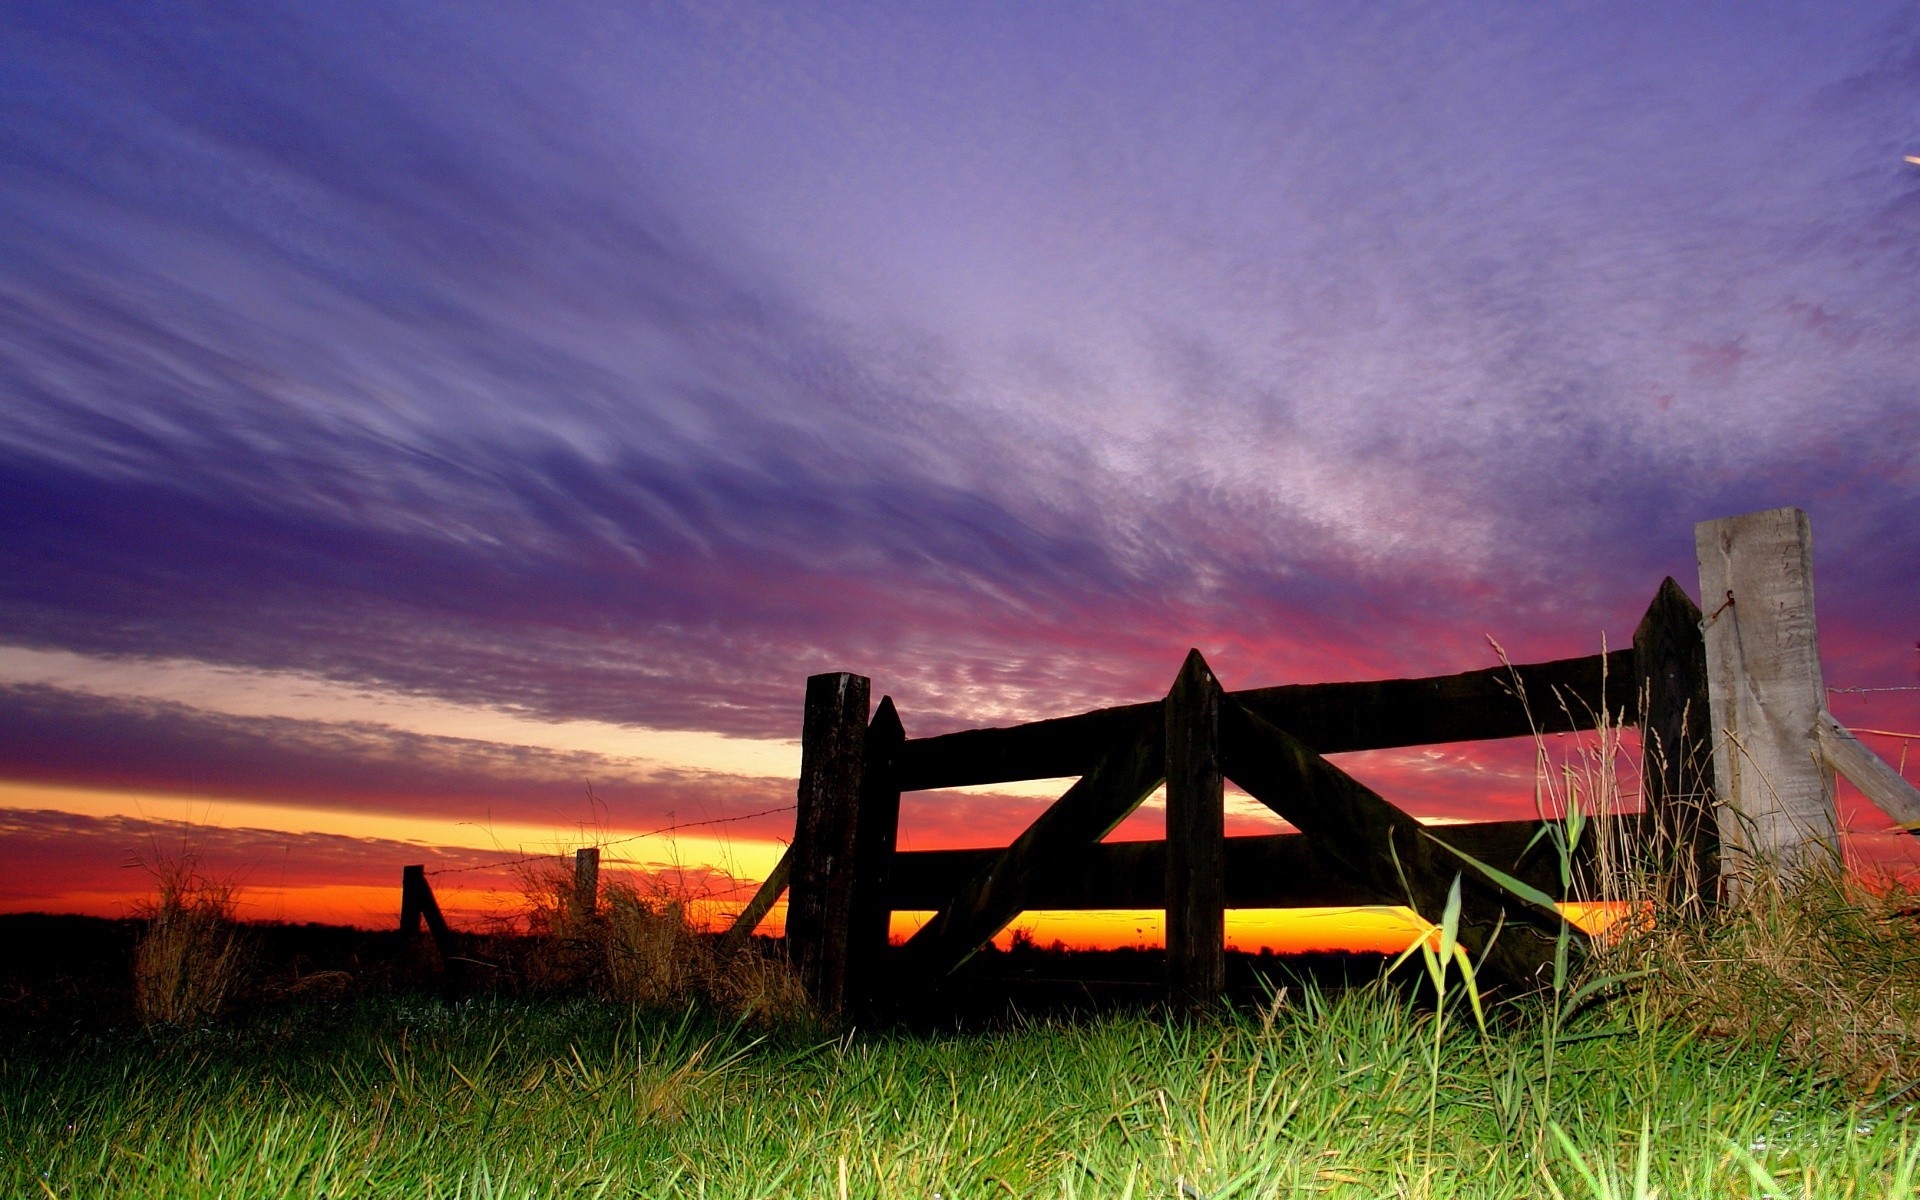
pixel 601 845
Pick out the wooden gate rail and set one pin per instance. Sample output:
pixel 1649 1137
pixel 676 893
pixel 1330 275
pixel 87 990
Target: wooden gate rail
pixel 1385 848
pixel 1271 870
pixel 1333 718
pixel 996 894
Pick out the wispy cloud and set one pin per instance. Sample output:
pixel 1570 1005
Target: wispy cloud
pixel 626 365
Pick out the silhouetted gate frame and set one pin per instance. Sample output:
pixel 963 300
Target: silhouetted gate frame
pixel 1353 846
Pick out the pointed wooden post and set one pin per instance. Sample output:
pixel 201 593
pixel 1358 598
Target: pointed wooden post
pixel 1676 746
pixel 821 895
pixel 1196 838
pixel 1764 683
pixel 873 857
pixel 586 882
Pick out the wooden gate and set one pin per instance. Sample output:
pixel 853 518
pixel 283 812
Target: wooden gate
pixel 1353 846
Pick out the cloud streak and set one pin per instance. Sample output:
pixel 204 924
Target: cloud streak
pixel 628 364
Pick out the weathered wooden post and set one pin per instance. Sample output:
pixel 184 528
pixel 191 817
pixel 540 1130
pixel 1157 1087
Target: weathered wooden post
pixel 879 829
pixel 586 882
pixel 1676 746
pixel 1196 838
pixel 1776 791
pixel 820 898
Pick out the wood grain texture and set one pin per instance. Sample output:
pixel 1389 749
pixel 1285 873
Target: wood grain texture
pixel 820 902
pixel 1196 880
pixel 1088 812
pixel 1676 747
pixel 1382 847
pixel 1766 693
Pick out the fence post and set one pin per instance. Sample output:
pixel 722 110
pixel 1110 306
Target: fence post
pixel 1763 677
pixel 1676 746
pixel 1196 838
pixel 826 828
pixel 417 904
pixel 879 829
pixel 586 882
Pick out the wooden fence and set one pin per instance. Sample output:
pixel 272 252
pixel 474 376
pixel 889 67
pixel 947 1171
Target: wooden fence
pixel 1739 757
pixel 1353 846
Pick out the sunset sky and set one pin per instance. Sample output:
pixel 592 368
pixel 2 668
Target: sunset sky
pixel 452 433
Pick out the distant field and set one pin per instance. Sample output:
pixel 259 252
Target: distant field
pixel 406 1096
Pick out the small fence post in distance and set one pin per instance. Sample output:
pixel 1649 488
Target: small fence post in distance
pixel 586 882
pixel 417 904
pixel 1196 838
pixel 1763 677
pixel 820 897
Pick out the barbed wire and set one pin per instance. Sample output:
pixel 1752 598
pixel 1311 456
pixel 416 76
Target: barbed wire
pixel 622 840
pixel 1904 688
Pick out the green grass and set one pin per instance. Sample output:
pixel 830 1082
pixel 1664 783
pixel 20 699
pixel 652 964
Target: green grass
pixel 416 1098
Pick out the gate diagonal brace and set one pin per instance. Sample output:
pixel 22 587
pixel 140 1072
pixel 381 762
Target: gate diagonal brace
pixel 1103 797
pixel 1509 939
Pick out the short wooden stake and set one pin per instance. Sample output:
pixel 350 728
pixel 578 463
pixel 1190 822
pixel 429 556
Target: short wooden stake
pixel 417 904
pixel 1676 746
pixel 1196 838
pixel 821 895
pixel 586 882
pixel 1776 789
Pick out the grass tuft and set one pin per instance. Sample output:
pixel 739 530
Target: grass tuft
pixel 639 946
pixel 191 962
pixel 1825 966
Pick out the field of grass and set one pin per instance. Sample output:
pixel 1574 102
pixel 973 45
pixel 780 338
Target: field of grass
pixel 1339 1096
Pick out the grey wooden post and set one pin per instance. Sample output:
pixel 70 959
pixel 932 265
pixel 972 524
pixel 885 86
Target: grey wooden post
pixel 586 882
pixel 1676 746
pixel 1763 677
pixel 820 898
pixel 1196 838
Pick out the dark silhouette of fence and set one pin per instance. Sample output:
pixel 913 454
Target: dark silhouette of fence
pixel 1738 752
pixel 1354 847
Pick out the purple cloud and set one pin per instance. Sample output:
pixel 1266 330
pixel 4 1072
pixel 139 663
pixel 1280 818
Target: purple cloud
pixel 632 364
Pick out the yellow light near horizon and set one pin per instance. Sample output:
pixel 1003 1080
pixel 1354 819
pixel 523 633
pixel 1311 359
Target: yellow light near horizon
pixel 741 858
pixel 1386 929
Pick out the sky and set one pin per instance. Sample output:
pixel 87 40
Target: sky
pixel 453 433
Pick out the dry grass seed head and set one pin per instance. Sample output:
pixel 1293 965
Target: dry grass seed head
pixel 190 964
